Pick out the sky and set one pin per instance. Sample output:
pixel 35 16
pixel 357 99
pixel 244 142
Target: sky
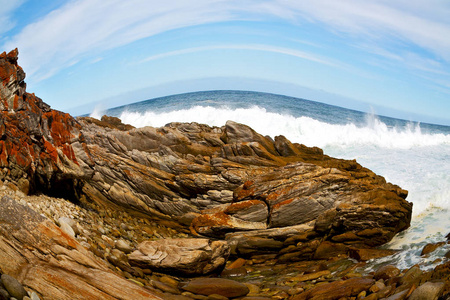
pixel 391 56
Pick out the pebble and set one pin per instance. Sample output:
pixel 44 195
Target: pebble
pixel 123 246
pixel 4 295
pixel 34 296
pixel 67 228
pixel 14 288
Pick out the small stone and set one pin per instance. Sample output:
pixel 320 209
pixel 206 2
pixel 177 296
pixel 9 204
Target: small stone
pixel 237 263
pixel 169 280
pixel 165 287
pixel 34 296
pixel 71 222
pixel 4 295
pixel 378 286
pixel 66 228
pixel 361 295
pixel 14 288
pixel 295 291
pixel 123 246
pixel 252 288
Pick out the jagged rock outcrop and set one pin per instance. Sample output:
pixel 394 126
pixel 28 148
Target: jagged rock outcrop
pixel 218 182
pixel 40 148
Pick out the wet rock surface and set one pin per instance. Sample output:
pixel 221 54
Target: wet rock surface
pixel 97 209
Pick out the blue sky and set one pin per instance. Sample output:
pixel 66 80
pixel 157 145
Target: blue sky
pixel 393 56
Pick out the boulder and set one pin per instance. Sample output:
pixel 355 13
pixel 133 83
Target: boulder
pixel 224 287
pixel 187 257
pixel 386 272
pixel 428 290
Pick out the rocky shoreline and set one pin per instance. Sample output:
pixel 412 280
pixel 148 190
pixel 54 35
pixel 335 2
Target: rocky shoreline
pixel 112 235
pixel 97 209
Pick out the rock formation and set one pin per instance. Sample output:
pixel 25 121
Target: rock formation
pixel 261 195
pixel 213 180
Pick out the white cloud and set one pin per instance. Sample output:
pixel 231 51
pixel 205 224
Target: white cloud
pixel 253 47
pixel 85 27
pixel 7 7
pixel 423 23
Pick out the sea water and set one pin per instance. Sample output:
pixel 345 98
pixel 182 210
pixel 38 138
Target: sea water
pixel 414 156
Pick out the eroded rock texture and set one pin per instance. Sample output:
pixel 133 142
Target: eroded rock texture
pixel 263 195
pixel 231 179
pixel 40 148
pixel 44 258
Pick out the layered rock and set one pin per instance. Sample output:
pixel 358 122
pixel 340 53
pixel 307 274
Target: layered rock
pixel 262 194
pixel 40 148
pixel 47 260
pixel 187 257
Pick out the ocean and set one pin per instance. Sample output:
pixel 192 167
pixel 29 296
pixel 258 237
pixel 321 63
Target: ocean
pixel 414 156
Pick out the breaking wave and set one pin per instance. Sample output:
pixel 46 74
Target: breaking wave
pixel 305 130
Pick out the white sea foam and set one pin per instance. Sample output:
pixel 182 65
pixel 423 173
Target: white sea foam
pixel 98 112
pixel 303 130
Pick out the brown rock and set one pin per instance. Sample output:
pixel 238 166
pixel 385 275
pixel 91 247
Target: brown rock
pixel 412 276
pixel 220 286
pixel 386 272
pixel 328 250
pixel 430 248
pixel 367 254
pixel 337 289
pixel 428 291
pixel 181 256
pixel 239 262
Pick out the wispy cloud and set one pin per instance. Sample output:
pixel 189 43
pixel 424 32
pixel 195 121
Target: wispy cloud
pixel 251 47
pixel 7 7
pixel 85 27
pixel 423 23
